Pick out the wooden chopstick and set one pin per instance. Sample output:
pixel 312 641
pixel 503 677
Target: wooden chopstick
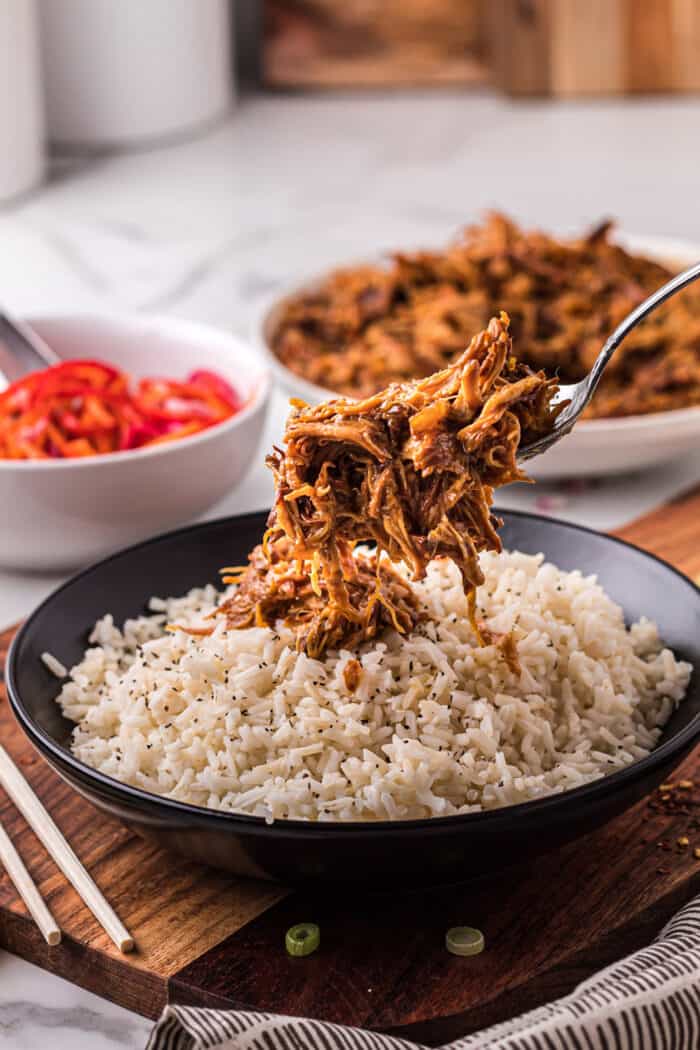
pixel 14 866
pixel 44 828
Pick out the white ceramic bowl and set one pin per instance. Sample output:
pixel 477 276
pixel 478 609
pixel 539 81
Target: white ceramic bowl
pixel 597 446
pixel 60 514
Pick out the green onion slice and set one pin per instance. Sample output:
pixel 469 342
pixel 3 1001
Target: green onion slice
pixel 464 940
pixel 303 939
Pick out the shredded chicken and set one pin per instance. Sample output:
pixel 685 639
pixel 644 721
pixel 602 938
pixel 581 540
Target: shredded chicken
pixel 505 643
pixel 276 587
pixel 411 470
pixel 367 327
pixel 352 674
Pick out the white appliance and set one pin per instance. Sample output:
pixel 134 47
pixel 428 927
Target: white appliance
pixel 129 72
pixel 21 103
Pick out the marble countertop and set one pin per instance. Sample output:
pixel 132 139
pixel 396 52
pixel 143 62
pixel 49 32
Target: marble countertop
pixel 288 184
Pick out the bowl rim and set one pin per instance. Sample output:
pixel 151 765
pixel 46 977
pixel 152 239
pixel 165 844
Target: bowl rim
pixel 591 791
pixel 260 383
pixel 661 248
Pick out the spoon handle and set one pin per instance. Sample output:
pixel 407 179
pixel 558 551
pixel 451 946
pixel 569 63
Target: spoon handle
pixel 21 350
pixel 634 318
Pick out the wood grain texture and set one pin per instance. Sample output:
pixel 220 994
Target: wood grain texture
pixel 672 532
pixel 208 939
pixel 382 963
pixel 562 48
pixel 369 43
pixel 520 56
pixel 685 30
pixel 587 47
pixel 568 48
pixel 649 56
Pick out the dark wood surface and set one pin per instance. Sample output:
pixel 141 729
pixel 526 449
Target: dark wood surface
pixel 208 939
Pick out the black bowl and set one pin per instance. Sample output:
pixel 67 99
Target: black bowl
pixel 403 853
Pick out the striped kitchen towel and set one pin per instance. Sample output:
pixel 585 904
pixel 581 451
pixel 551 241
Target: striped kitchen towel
pixel 648 1001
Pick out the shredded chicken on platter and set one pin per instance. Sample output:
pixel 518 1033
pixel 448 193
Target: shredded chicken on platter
pixel 410 470
pixel 368 326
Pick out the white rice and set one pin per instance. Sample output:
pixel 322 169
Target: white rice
pixel 55 666
pixel 240 721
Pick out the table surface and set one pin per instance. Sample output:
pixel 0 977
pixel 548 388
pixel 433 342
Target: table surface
pixel 289 184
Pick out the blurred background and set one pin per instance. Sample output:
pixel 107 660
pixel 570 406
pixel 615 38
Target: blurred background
pixel 283 133
pixel 559 48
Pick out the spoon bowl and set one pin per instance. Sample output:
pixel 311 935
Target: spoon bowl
pixel 22 350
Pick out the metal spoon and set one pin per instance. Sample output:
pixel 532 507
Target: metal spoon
pixel 22 350
pixel 579 394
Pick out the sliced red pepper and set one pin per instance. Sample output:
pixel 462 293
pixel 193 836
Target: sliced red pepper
pixel 221 387
pixel 136 435
pixel 93 373
pixel 85 408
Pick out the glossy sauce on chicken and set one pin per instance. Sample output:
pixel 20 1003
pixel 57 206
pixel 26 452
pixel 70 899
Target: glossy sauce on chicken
pixel 410 470
pixel 367 326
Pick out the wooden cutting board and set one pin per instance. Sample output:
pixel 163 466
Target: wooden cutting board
pixel 207 939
